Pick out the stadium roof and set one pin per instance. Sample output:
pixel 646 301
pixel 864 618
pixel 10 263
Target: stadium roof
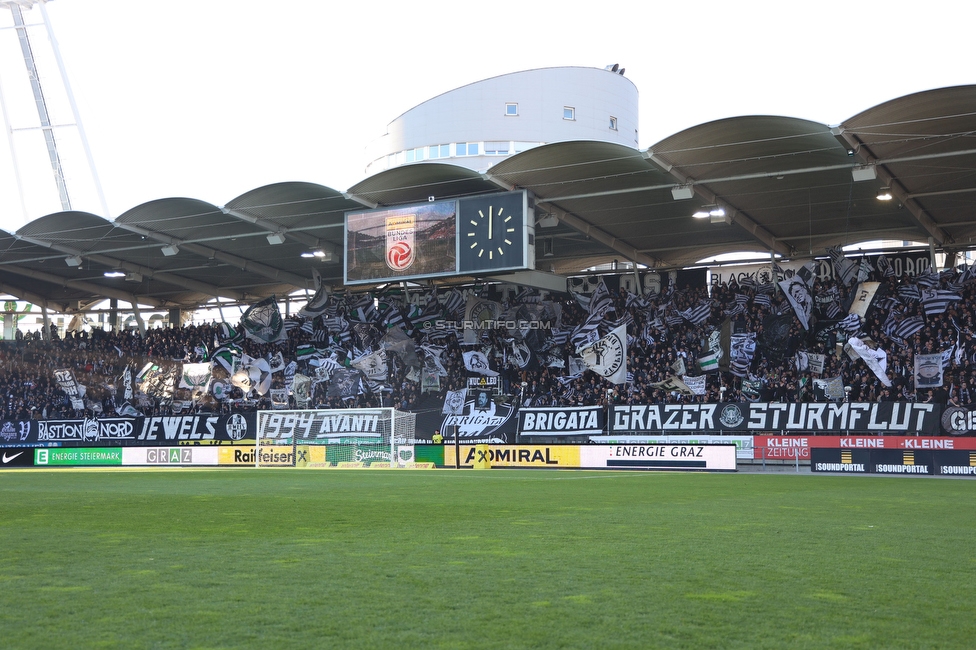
pixel 786 185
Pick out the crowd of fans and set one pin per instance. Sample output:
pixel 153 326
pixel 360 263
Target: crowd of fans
pixel 662 345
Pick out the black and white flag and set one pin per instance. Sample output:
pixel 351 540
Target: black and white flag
pixel 928 370
pixel 798 294
pixel 935 301
pixel 608 356
pixel 477 362
pixel 454 402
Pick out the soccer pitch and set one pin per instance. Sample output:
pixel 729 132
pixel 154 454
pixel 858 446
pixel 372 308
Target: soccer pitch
pixel 497 559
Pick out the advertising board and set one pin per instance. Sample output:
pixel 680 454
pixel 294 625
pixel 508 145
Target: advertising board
pixel 16 458
pixel 78 456
pixel 659 457
pixel 743 444
pixel 538 456
pixel 791 447
pixel 157 456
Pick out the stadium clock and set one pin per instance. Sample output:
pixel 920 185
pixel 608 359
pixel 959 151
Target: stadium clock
pixel 491 233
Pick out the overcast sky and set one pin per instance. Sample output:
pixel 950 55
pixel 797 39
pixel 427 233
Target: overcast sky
pixel 214 98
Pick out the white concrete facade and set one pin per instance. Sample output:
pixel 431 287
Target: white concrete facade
pixel 478 125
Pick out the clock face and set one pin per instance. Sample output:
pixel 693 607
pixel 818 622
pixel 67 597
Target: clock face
pixel 491 231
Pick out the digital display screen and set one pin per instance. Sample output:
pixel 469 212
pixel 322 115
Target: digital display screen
pixel 401 243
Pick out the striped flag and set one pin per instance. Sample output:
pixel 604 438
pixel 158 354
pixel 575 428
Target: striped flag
pixel 884 266
pixel 909 292
pixel 935 301
pixel 851 324
pixel 708 362
pixel 698 314
pixel 927 280
pixel 845 270
pixel 903 329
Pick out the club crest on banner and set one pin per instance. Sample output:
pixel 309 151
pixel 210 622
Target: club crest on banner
pixel 400 245
pixel 479 423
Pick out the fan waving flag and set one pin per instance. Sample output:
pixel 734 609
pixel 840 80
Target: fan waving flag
pixel 608 356
pixel 798 294
pixel 477 362
pixel 262 322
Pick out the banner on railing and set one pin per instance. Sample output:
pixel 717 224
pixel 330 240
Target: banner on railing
pixel 839 417
pixel 566 421
pixel 148 431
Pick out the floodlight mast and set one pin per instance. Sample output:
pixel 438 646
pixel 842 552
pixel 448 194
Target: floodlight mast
pixel 20 26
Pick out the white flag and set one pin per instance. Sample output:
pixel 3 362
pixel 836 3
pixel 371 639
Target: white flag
pixel 876 360
pixel 695 384
pixel 454 402
pixel 478 362
pixel 608 356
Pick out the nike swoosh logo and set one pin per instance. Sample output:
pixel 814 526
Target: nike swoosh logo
pixel 7 459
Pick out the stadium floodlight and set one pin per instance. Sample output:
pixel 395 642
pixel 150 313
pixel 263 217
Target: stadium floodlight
pixel 170 250
pixel 115 273
pixel 884 194
pixel 276 238
pixel 682 192
pixel 74 260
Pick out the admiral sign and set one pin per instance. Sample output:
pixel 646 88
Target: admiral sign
pixel 573 421
pixel 773 416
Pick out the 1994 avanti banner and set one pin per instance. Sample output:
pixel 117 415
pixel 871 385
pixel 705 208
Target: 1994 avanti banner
pixel 775 416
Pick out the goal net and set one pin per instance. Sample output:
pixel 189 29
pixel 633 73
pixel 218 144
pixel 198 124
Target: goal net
pixel 380 437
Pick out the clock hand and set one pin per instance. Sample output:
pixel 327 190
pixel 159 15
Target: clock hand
pixel 490 208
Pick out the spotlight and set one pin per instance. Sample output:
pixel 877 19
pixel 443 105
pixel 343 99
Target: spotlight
pixel 170 250
pixel 884 194
pixel 74 260
pixel 115 273
pixel 682 192
pixel 276 238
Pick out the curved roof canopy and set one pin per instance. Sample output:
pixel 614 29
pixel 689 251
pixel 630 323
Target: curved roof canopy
pixel 786 185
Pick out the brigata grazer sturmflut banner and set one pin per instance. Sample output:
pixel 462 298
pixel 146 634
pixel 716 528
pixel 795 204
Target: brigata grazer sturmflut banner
pixel 571 421
pixel 200 429
pixel 883 417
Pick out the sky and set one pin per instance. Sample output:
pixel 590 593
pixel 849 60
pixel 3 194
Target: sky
pixel 212 99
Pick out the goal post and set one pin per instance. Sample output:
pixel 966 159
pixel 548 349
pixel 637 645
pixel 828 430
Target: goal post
pixel 334 438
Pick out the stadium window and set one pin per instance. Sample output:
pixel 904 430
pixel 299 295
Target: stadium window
pixel 613 123
pixel 466 148
pixel 525 146
pixel 496 148
pixel 511 109
pixel 410 155
pixel 439 151
pixel 569 113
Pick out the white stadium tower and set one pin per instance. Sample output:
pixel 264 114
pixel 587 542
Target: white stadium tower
pixel 478 125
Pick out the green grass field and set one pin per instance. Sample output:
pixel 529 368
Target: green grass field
pixel 446 559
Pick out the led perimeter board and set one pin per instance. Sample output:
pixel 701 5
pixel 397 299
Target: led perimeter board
pixel 480 234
